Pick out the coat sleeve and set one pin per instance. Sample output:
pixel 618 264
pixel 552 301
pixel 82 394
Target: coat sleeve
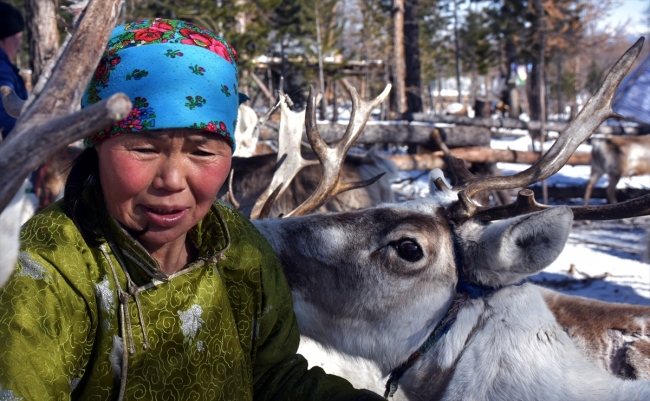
pixel 7 122
pixel 278 372
pixel 44 326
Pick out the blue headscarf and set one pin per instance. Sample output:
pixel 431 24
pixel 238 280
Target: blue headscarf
pixel 177 74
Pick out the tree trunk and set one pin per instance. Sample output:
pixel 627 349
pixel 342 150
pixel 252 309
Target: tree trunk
pixel 541 85
pixel 559 84
pixel 42 33
pixel 537 88
pixel 457 51
pixel 412 57
pixel 399 71
pixel 510 95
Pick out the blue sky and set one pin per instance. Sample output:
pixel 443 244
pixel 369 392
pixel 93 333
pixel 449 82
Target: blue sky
pixel 630 13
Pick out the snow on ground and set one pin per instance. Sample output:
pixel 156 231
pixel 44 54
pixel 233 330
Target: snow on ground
pixel 602 259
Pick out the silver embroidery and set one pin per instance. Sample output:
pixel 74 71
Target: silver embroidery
pixel 199 346
pixel 106 324
pixel 74 383
pixel 106 295
pixel 115 357
pixel 8 395
pixel 191 321
pixel 31 268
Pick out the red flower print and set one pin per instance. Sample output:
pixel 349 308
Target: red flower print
pixel 135 124
pixel 135 113
pixel 115 60
pixel 102 69
pixel 211 127
pixel 204 40
pixel 129 125
pixel 161 26
pixel 147 35
pixel 222 126
pixel 221 50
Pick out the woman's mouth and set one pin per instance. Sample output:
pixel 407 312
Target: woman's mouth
pixel 165 216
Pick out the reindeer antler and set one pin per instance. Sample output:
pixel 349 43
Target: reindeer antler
pixel 332 158
pixel 595 112
pixel 48 123
pixel 289 161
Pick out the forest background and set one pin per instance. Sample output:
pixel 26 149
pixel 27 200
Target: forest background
pixel 540 57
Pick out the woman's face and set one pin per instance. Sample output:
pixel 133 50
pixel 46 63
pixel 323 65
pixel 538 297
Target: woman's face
pixel 159 184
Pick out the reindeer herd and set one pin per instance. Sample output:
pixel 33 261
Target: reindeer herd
pixel 428 295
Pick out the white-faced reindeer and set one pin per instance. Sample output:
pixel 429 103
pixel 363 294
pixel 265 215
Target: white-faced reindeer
pixel 434 292
pixel 377 282
pixel 617 157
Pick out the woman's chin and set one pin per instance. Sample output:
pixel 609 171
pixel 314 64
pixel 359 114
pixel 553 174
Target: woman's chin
pixel 153 240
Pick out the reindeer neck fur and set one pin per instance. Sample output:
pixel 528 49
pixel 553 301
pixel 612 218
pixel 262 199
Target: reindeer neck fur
pixel 509 347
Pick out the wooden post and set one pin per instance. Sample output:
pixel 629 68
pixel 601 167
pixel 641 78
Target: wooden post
pixel 399 72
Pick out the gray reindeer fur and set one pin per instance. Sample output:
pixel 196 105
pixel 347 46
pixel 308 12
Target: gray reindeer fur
pixel 354 293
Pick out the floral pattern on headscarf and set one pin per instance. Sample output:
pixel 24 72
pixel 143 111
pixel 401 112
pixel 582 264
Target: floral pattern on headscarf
pixel 177 74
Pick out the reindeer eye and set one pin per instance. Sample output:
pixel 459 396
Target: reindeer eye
pixel 408 249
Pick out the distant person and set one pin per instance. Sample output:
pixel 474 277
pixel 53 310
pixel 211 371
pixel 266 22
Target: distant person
pixel 11 36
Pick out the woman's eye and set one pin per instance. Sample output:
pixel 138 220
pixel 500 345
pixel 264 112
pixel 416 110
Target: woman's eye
pixel 202 153
pixel 408 249
pixel 144 150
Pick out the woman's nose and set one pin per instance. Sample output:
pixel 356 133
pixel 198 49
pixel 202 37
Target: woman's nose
pixel 171 176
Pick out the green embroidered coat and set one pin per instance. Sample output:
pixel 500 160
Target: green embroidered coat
pixel 217 330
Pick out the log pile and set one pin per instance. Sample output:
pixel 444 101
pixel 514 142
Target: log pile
pixel 511 123
pixel 397 132
pixel 476 155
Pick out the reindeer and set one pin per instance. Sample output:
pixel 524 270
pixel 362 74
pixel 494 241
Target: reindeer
pixel 340 265
pixel 617 157
pixel 433 291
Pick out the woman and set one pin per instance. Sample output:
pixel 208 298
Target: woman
pixel 138 285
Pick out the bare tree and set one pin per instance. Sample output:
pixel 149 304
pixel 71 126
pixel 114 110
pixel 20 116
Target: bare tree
pixel 413 81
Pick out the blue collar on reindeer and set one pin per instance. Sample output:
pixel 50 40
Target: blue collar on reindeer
pixel 465 291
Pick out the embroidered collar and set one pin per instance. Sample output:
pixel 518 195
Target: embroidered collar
pixel 465 291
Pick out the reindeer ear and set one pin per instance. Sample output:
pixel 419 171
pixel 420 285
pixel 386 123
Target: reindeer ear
pixel 507 251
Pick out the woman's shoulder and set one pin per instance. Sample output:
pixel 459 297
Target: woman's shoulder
pixel 49 225
pixel 53 253
pixel 245 238
pixel 240 226
pixel 51 241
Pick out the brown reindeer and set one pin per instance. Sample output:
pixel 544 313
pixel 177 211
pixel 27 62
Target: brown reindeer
pixel 623 156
